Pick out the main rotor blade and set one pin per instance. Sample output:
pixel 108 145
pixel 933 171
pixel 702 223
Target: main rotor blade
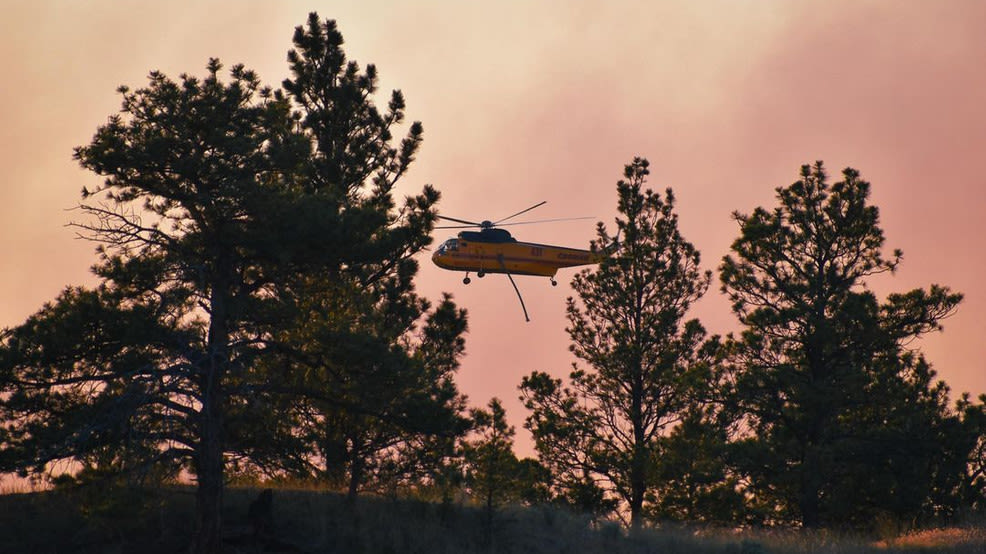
pixel 471 223
pixel 497 222
pixel 455 227
pixel 546 220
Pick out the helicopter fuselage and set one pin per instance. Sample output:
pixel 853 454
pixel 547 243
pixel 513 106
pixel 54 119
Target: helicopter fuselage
pixel 496 251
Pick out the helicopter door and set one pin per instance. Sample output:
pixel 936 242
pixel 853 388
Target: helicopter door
pixel 480 259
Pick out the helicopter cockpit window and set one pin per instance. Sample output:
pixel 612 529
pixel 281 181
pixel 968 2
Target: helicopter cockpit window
pixel 451 245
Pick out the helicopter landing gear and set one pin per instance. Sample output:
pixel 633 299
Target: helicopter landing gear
pixel 466 280
pixel 480 274
pixel 553 282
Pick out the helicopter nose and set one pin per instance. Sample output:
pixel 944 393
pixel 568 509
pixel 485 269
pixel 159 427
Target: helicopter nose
pixel 437 258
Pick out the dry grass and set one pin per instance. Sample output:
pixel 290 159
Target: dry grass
pixel 149 521
pixel 953 539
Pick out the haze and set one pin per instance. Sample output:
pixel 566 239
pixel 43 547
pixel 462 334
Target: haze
pixel 528 101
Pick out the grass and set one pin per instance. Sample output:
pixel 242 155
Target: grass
pixel 137 520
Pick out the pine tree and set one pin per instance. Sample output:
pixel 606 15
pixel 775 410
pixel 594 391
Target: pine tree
pixel 493 472
pixel 153 357
pixel 491 466
pixel 842 415
pixel 646 362
pixel 391 382
pixel 695 481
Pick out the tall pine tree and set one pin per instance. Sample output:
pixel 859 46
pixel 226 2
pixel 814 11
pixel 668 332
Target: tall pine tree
pixel 645 360
pixel 151 360
pixel 392 382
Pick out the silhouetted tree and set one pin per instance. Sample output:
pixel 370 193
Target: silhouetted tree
pixel 646 362
pixel 971 492
pixel 393 411
pixel 233 223
pixel 391 383
pixel 153 357
pixel 491 466
pixel 580 492
pixel 695 481
pixel 842 416
pixel 493 474
pixel 955 483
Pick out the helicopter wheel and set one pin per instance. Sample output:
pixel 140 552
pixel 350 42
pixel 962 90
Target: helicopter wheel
pixel 554 283
pixel 466 280
pixel 480 274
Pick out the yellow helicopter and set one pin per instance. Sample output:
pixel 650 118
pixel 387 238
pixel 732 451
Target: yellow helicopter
pixel 494 250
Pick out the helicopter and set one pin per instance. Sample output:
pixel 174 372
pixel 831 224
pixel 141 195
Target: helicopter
pixel 494 250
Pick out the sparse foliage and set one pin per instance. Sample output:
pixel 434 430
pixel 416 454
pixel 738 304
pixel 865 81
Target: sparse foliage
pixel 491 466
pixel 647 364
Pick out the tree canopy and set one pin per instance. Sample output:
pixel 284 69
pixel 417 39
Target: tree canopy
pixel 842 414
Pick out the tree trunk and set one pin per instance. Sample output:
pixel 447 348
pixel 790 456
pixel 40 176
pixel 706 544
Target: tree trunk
pixel 818 402
pixel 638 488
pixel 209 496
pixel 209 458
pixel 209 465
pixel 355 475
pixel 639 457
pixel 810 490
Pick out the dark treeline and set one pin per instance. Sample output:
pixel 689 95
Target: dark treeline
pixel 819 413
pixel 256 319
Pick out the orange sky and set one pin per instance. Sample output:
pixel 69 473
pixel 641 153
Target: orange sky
pixel 524 101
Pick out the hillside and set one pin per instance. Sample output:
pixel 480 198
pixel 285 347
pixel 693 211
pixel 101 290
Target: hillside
pixel 151 521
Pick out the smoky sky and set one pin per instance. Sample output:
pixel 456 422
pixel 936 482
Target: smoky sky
pixel 529 101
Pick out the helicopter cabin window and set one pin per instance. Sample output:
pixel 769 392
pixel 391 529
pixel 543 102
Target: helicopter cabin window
pixel 451 245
